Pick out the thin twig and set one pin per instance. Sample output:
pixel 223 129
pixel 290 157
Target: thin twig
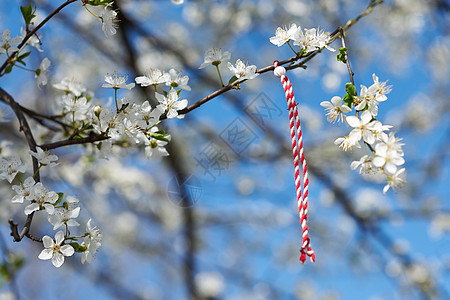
pixel 369 9
pixel 90 139
pixel 347 62
pixel 38 117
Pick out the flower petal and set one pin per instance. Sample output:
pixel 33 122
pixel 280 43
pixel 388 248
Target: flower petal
pixel 336 100
pixel 57 259
pixel 180 104
pixel 31 208
pixel 48 241
pixel 390 168
pixel 366 117
pixel 59 237
pixel 67 250
pixel 386 188
pixel 353 121
pixel 46 254
pixel 379 161
pixel 326 104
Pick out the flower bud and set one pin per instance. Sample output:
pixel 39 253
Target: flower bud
pixel 97 111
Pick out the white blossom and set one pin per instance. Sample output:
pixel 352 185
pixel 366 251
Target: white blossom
pixel 366 165
pixel 109 21
pixel 6 45
pixel 65 215
pixel 154 148
pixel 43 199
pixel 23 190
pixel 284 35
pixel 362 128
pixel 10 167
pixel 70 86
pixel 396 181
pixel 346 143
pixel 92 241
pixel 42 73
pixel 176 81
pixel 387 159
pixel 335 109
pixel 242 71
pixel 170 103
pixel 131 129
pixel 76 108
pixel 372 96
pixel 153 77
pixel 117 81
pixel 313 39
pixel 53 249
pixel 379 129
pixel 215 57
pixel 44 158
pixel 148 116
pixel 379 89
pixel 388 153
pixel 106 121
pixel 323 38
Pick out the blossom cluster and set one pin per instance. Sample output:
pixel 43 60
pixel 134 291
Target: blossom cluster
pixel 386 148
pixel 130 123
pixel 309 40
pixel 241 71
pixel 61 210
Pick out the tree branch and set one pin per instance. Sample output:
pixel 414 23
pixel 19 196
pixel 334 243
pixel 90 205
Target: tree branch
pixel 25 128
pixel 90 139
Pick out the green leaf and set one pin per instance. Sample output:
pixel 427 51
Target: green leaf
pixel 77 247
pixel 24 55
pixel 161 138
pixel 341 54
pixel 4 272
pixel 60 197
pixel 348 100
pixel 99 2
pixel 21 57
pixel 350 89
pixel 160 132
pixel 159 135
pixel 8 69
pixel 28 13
pixel 232 79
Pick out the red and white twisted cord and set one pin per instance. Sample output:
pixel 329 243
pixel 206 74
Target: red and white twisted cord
pixel 298 154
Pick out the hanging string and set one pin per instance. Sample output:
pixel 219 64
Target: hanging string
pixel 298 154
